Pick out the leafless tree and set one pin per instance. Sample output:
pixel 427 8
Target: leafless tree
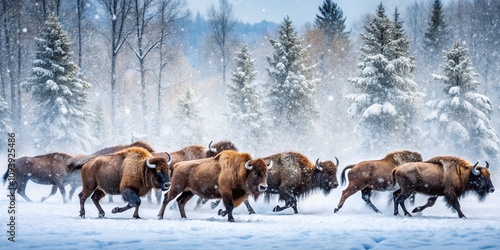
pixel 222 24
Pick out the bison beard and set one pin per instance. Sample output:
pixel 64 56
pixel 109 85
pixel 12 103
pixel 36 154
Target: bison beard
pixel 446 176
pixel 230 176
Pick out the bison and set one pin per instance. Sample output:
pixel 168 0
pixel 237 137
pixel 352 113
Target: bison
pixel 374 175
pixel 447 176
pixel 132 172
pixel 193 152
pixel 49 169
pixel 231 176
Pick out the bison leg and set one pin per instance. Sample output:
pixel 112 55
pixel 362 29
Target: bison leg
pixel 96 197
pixel 72 191
pixel 249 208
pixel 199 203
pixel 52 192
pixel 133 200
pixel 350 190
pixel 158 196
pixel 83 197
pixel 228 203
pixel 430 203
pixel 290 201
pixel 399 198
pixel 62 189
pixel 452 202
pixel 215 204
pixel 365 195
pixel 182 200
pixel 167 197
pixel 21 189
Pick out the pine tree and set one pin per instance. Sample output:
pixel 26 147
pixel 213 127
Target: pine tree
pixel 188 120
pixel 436 35
pixel 293 105
pixel 99 125
pixel 388 100
pixel 4 117
pixel 460 122
pixel 60 119
pixel 331 21
pixel 247 114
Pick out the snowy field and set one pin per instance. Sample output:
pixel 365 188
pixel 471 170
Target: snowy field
pixel 54 225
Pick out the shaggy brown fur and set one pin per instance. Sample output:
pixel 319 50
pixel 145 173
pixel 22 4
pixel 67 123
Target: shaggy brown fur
pixel 223 176
pixel 447 176
pixel 124 172
pixel 48 169
pixel 294 176
pixel 374 175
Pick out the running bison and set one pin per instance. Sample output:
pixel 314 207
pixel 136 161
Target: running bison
pixel 132 172
pixel 193 152
pixel 231 176
pixel 374 175
pixel 447 176
pixel 294 176
pixel 49 169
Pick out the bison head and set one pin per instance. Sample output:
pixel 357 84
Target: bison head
pixel 160 166
pixel 326 176
pixel 257 175
pixel 214 149
pixel 480 182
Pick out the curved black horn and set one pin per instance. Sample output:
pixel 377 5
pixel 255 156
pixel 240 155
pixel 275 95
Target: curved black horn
pixel 247 166
pixel 337 161
pixel 317 165
pixel 474 170
pixel 487 165
pixel 210 147
pixel 149 164
pixel 169 158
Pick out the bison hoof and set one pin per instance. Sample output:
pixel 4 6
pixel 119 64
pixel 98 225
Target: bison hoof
pixel 43 199
pixel 222 213
pixel 276 209
pixel 417 209
pixel 82 215
pixel 251 212
pixel 160 217
pixel 335 210
pixel 115 210
pixel 408 215
pixel 137 217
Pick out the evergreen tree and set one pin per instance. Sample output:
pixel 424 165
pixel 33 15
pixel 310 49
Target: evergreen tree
pixel 331 21
pixel 4 117
pixel 100 129
pixel 188 120
pixel 60 96
pixel 247 114
pixel 388 100
pixel 436 35
pixel 293 105
pixel 460 122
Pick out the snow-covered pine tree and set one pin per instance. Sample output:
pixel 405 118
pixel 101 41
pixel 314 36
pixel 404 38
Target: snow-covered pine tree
pixel 436 35
pixel 60 116
pixel 331 21
pixel 459 123
pixel 388 100
pixel 247 115
pixel 187 120
pixel 292 102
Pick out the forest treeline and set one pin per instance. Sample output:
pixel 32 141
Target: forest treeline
pixel 153 70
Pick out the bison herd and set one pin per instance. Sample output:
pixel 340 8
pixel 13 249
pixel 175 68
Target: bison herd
pixel 223 173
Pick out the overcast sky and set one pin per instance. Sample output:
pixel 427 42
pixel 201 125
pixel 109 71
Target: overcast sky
pixel 299 11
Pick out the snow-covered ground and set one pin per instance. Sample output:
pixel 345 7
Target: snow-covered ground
pixel 54 225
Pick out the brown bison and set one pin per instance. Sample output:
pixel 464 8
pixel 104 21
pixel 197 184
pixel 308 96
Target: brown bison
pixel 231 176
pixel 293 176
pixel 193 152
pixel 49 169
pixel 447 176
pixel 374 175
pixel 132 172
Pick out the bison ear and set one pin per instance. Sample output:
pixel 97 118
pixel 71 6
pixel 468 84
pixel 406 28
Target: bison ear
pixel 153 166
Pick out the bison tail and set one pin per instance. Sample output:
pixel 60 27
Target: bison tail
pixel 77 163
pixel 342 175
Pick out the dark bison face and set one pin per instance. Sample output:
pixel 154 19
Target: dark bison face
pixel 160 166
pixel 479 181
pixel 257 175
pixel 326 176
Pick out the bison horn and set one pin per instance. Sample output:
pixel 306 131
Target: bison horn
pixel 474 170
pixel 487 165
pixel 153 166
pixel 169 158
pixel 247 166
pixel 210 147
pixel 270 165
pixel 318 166
pixel 337 161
